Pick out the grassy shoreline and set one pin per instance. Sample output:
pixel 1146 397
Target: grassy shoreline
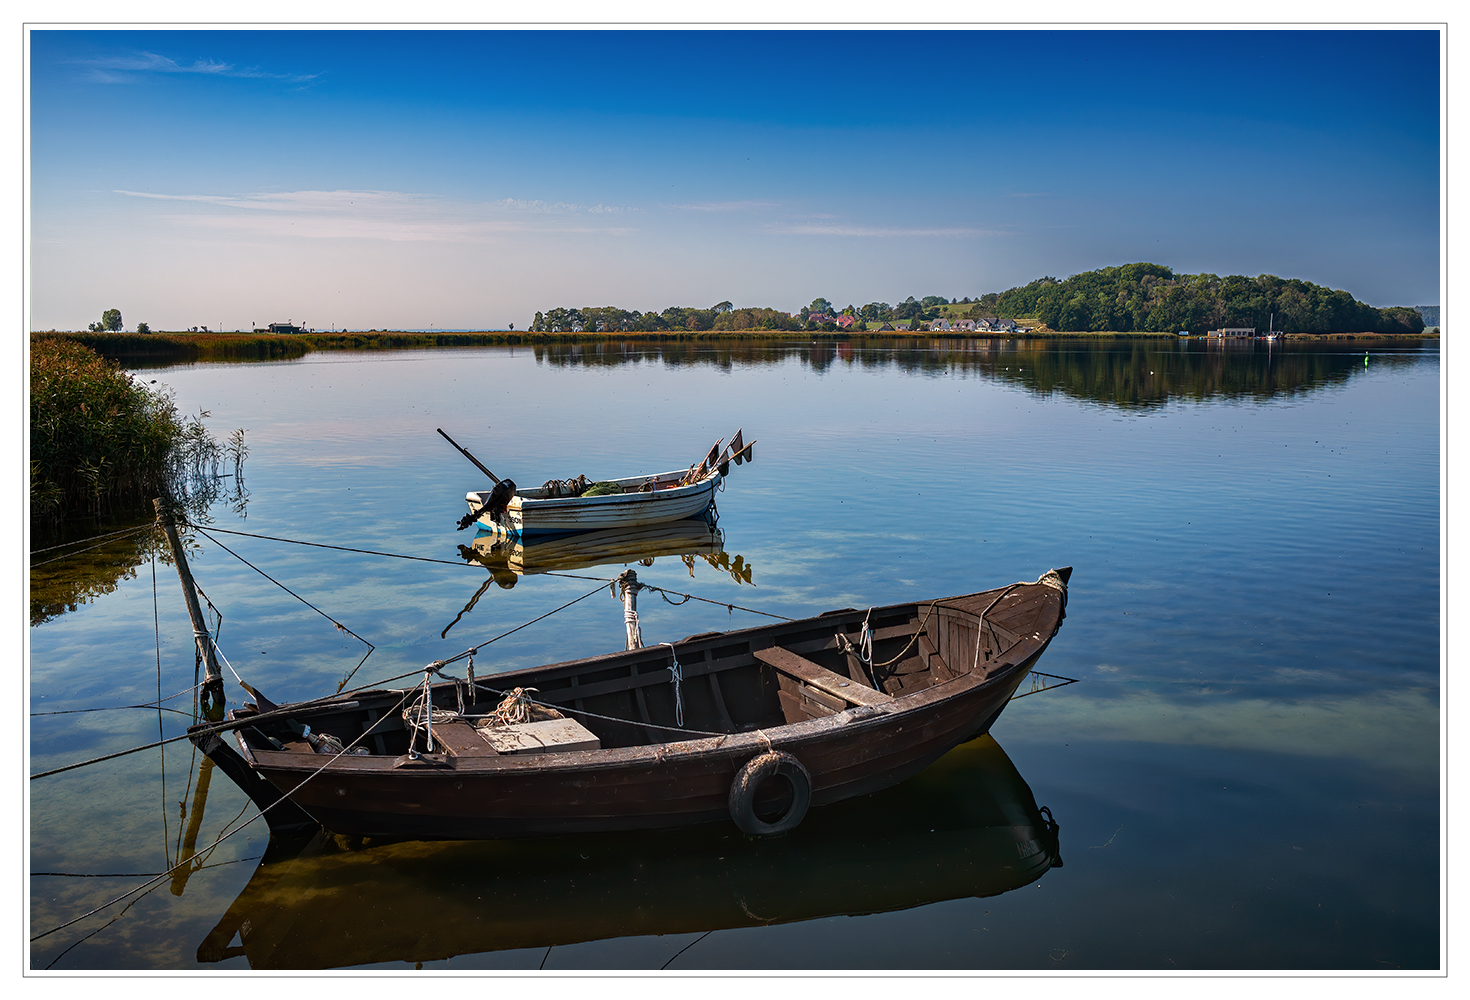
pixel 185 347
pixel 103 441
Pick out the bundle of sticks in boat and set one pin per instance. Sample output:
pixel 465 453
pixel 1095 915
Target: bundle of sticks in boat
pixel 737 452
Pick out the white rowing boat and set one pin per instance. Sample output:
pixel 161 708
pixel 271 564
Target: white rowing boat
pixel 644 500
pixel 577 505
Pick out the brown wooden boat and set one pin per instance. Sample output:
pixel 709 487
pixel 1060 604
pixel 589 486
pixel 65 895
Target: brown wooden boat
pixel 753 726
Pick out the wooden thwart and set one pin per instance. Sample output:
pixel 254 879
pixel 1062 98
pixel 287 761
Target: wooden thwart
pixel 459 739
pixel 832 683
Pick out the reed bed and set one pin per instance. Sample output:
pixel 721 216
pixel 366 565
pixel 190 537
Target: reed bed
pixel 102 440
pixel 185 347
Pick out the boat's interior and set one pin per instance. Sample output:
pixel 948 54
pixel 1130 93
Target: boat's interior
pixel 753 679
pixel 632 484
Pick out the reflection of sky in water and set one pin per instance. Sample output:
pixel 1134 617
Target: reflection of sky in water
pixel 1255 578
pixel 1239 548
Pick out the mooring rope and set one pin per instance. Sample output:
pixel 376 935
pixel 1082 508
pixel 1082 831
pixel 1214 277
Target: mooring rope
pixel 247 562
pixel 118 708
pixel 323 545
pixel 303 706
pixel 723 604
pixel 224 727
pixel 394 555
pixel 222 838
pixel 136 529
pixel 67 555
pixel 475 649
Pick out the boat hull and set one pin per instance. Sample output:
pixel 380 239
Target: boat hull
pixel 530 513
pixel 683 785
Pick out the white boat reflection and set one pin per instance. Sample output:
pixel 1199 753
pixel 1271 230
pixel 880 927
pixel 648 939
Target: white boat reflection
pixel 509 558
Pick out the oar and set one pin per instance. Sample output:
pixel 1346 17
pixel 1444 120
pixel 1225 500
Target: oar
pixel 467 455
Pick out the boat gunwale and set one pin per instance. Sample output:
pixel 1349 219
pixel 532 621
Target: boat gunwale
pixel 672 493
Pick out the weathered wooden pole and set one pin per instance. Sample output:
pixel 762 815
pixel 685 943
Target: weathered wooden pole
pixel 627 582
pixel 212 695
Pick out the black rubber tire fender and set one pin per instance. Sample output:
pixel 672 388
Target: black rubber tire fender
pixel 756 772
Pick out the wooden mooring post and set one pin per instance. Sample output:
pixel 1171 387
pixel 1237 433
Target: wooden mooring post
pixel 627 582
pixel 212 694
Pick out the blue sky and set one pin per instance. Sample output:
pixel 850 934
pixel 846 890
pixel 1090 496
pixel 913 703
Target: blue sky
pixel 466 179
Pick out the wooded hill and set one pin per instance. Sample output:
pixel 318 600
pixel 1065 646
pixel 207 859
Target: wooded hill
pixel 1151 298
pixel 1131 298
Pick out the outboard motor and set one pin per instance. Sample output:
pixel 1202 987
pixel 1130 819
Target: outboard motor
pixel 495 505
pixel 500 498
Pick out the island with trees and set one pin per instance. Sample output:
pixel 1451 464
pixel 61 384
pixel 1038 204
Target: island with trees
pixel 1131 298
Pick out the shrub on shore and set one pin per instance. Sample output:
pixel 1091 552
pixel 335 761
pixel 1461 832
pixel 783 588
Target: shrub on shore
pixel 102 440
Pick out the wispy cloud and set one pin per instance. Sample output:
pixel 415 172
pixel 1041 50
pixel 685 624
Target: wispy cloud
pixel 124 66
pixel 380 215
pixel 725 206
pixel 533 205
pixel 881 232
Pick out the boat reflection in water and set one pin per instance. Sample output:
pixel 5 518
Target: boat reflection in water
pixel 967 826
pixel 693 538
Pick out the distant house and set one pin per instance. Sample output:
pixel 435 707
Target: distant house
pixel 885 328
pixel 939 324
pixel 846 321
pixel 965 324
pixel 1232 331
pixel 286 327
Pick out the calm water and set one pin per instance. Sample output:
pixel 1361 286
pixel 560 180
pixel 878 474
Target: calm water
pixel 1247 776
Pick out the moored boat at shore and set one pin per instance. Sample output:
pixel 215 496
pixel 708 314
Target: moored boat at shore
pixel 638 501
pixel 580 504
pixel 751 726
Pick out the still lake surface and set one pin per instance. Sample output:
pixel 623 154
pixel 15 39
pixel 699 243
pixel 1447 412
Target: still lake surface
pixel 1247 776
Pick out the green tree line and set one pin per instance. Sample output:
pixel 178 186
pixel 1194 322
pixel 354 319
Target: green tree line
pixel 1151 298
pixel 819 315
pixel 604 319
pixel 1142 298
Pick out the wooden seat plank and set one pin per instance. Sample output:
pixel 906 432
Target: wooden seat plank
pixel 819 677
pixel 460 739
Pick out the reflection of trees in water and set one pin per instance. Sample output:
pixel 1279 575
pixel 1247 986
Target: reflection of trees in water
pixel 1121 372
pixel 82 562
pixel 62 582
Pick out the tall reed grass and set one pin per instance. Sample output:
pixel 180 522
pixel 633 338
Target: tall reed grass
pixel 102 440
